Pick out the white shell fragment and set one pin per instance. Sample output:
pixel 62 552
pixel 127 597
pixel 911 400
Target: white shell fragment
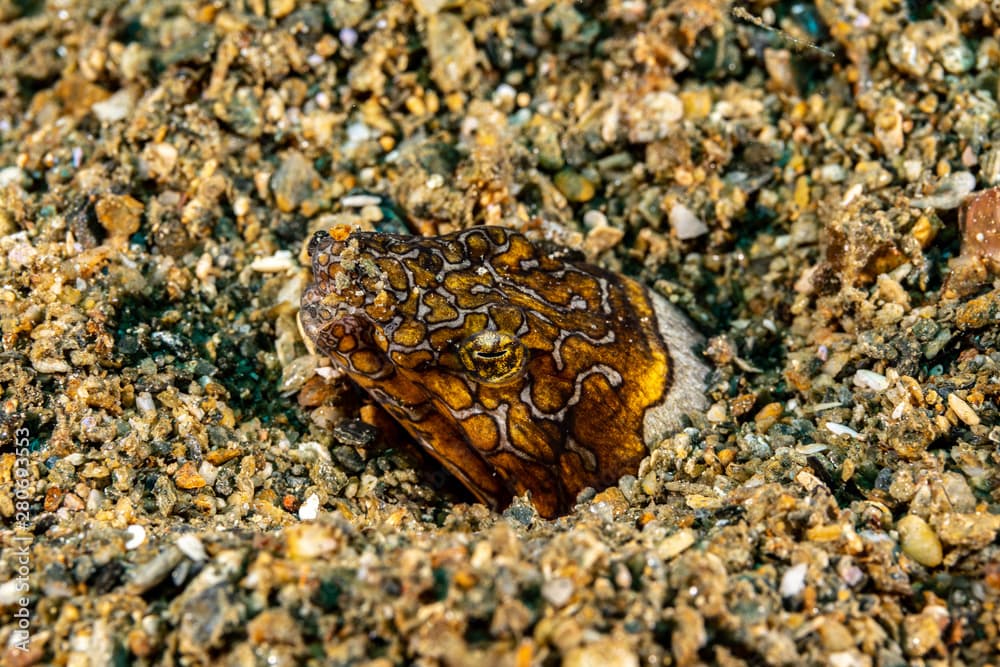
pixel 841 429
pixel 310 508
pixel 279 261
pixel 137 535
pixel 870 380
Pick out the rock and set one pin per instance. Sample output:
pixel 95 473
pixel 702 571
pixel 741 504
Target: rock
pixel 147 575
pixel 349 13
pixel 979 222
pixel 294 182
pixel 908 51
pixel 242 111
pixel 309 540
pixel 13 176
pixel 654 116
pixel 310 508
pixel 117 107
pixel 697 103
pixel 281 8
pixel 51 365
pixel 972 530
pixel 602 653
pixel 136 536
pixel 119 215
pixel 979 312
pixel 793 581
pixel 452 52
pixel 956 57
pixel 676 544
pixel 544 136
pixel 429 7
pixel 602 238
pixel 950 192
pixel 158 160
pixel 188 478
pixel 922 632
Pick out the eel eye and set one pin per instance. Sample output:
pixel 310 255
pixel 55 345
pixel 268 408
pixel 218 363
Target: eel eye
pixel 492 357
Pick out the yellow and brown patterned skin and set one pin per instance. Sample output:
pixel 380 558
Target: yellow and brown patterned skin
pixel 518 367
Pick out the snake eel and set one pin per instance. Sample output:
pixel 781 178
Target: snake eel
pixel 517 365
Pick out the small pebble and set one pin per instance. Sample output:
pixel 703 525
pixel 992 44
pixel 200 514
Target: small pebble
pixel 144 402
pixel 676 544
pixel 767 416
pixel 594 218
pixel 429 7
pixel 12 176
pixel 848 659
pixel 912 170
pixel 348 37
pixel 208 472
pixel 919 541
pixel 716 413
pixel 574 186
pixel 10 592
pixel 963 410
pixel 117 107
pixel 956 57
pixel 602 239
pixel 192 547
pixel 685 223
pixel 558 591
pixel 949 193
pixel 922 632
pixel 51 365
pixel 697 103
pixel 654 116
pixel 979 312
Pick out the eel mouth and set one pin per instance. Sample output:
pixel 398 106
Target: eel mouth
pixel 336 326
pixel 334 310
